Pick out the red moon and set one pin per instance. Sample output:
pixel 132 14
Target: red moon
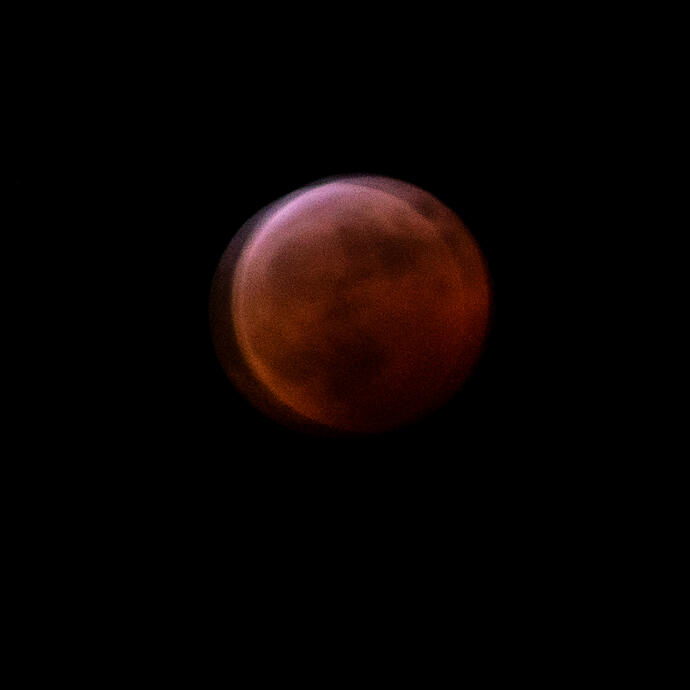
pixel 355 305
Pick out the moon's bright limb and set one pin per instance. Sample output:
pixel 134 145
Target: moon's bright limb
pixel 354 305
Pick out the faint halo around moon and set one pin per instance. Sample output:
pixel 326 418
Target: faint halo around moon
pixel 355 305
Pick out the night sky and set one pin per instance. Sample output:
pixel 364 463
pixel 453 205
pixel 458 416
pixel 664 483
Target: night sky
pixel 148 165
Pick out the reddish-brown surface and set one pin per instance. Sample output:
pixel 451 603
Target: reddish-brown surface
pixel 359 305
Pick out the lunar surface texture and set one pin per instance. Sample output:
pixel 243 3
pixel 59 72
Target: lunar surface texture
pixel 356 305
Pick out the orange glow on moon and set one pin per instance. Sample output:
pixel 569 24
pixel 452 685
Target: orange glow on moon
pixel 356 305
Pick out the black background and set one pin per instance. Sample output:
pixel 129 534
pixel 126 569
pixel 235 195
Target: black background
pixel 155 520
pixel 141 160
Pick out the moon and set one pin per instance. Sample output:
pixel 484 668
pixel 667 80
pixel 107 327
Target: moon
pixel 356 305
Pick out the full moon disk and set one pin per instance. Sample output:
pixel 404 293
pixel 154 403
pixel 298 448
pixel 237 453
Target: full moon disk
pixel 355 305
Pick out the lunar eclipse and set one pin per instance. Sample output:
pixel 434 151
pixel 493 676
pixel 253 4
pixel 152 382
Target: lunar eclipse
pixel 355 305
